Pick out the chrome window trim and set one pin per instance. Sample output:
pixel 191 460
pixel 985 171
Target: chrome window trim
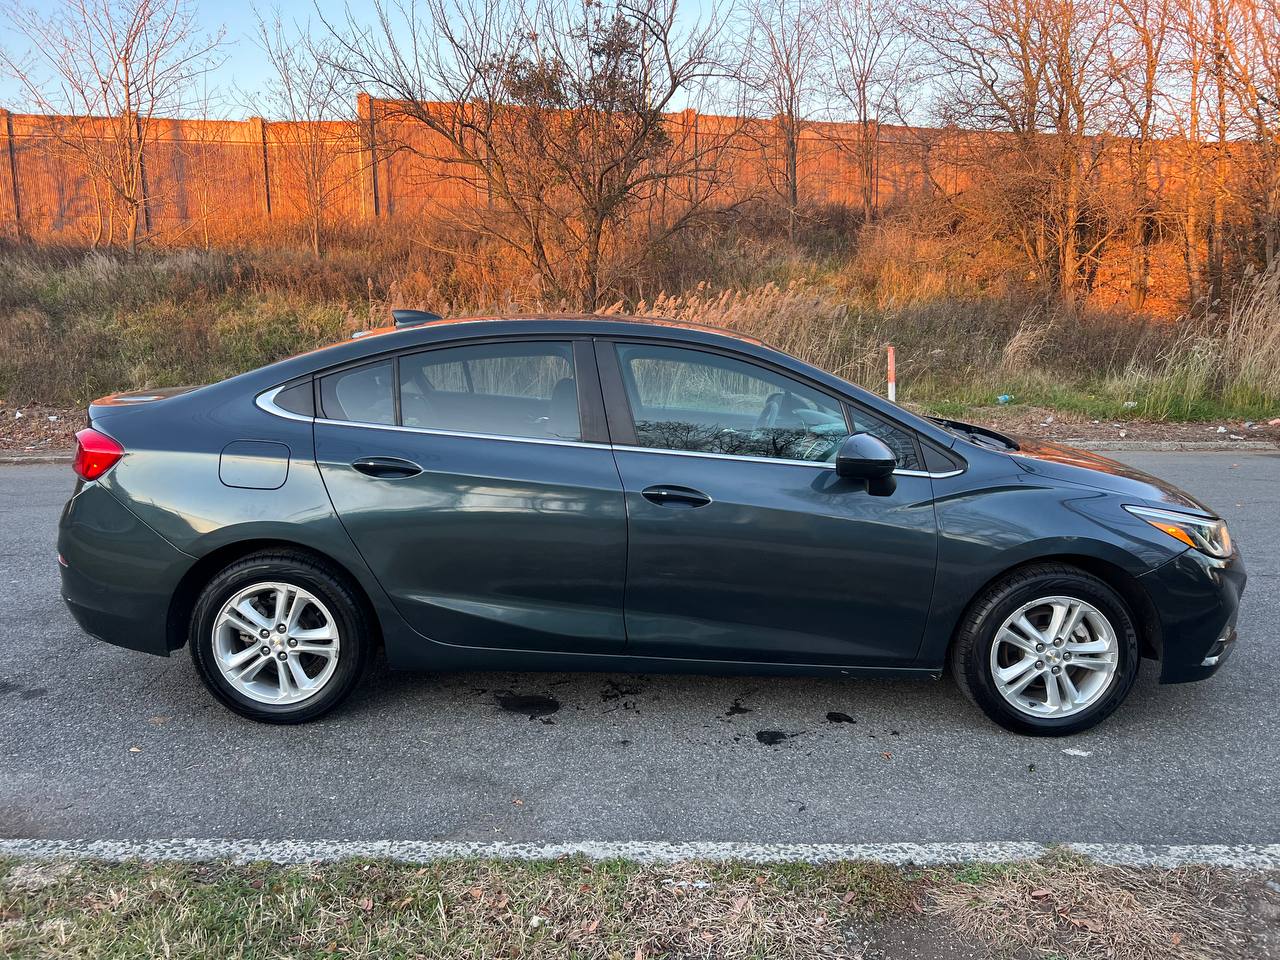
pixel 821 465
pixel 932 476
pixel 549 441
pixel 267 402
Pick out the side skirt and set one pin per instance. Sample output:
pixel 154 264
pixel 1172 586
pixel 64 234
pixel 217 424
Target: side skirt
pixel 426 655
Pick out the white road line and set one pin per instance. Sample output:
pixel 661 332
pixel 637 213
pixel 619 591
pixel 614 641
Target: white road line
pixel 1244 856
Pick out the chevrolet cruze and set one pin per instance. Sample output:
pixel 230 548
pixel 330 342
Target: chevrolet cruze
pixel 561 493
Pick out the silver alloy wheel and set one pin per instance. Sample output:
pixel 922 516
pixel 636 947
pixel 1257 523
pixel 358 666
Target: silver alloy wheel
pixel 276 643
pixel 1054 657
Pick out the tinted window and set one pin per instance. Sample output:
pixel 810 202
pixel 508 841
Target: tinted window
pixel 895 438
pixel 362 394
pixel 703 402
pixel 505 389
pixel 297 399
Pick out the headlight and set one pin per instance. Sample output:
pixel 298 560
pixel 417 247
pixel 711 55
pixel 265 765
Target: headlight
pixel 1207 536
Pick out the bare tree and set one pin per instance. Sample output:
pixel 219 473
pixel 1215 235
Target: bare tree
pixel 870 77
pixel 1139 63
pixel 1251 48
pixel 204 177
pixel 107 70
pixel 312 135
pixel 561 113
pixel 1190 56
pixel 1036 71
pixel 780 70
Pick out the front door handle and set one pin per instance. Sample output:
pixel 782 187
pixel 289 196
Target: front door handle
pixel 667 495
pixel 387 468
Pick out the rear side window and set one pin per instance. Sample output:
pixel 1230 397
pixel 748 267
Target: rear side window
pixel 361 394
pixel 525 389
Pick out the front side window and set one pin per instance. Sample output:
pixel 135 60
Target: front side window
pixel 503 389
pixel 703 402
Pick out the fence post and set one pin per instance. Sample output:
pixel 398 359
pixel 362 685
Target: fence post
pixel 142 174
pixel 11 160
pixel 258 130
pixel 368 134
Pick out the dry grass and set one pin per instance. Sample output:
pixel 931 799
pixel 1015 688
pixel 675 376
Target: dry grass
pixel 1251 341
pixel 1061 907
pixel 478 909
pixel 75 326
pixel 1067 906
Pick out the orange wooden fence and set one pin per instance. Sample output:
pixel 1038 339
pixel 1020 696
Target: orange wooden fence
pixel 225 178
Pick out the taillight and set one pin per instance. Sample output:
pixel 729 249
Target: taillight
pixel 96 453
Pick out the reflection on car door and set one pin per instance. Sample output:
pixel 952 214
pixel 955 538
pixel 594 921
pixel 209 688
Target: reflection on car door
pixel 483 495
pixel 743 544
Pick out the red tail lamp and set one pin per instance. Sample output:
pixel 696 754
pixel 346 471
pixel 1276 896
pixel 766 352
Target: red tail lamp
pixel 96 453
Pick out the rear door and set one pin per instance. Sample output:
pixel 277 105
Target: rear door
pixel 477 482
pixel 743 542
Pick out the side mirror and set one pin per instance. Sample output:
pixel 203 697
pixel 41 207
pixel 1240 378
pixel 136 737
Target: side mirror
pixel 864 457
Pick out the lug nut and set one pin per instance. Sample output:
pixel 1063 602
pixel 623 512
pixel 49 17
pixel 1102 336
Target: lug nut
pixel 293 642
pixel 1059 642
pixel 282 656
pixel 1039 648
pixel 1039 664
pixel 264 634
pixel 265 650
pixel 1066 656
pixel 280 627
pixel 1057 669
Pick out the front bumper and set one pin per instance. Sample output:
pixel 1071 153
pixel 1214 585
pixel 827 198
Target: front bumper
pixel 1197 600
pixel 118 575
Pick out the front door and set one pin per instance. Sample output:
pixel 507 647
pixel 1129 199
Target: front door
pixel 743 543
pixel 479 494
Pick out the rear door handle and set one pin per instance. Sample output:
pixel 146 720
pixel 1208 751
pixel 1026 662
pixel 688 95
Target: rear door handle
pixel 387 468
pixel 667 495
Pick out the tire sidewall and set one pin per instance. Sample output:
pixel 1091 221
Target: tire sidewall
pixel 320 584
pixel 1089 589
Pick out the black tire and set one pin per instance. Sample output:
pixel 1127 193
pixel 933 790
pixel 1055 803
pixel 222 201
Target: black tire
pixel 325 584
pixel 971 649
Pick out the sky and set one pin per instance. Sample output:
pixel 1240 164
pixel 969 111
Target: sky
pixel 244 66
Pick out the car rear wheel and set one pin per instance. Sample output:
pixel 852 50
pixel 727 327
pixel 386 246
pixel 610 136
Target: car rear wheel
pixel 1049 650
pixel 279 637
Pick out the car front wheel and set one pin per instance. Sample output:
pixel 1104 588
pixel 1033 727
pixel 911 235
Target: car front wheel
pixel 279 638
pixel 1049 650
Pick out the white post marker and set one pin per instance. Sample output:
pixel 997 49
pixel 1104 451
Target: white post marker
pixel 893 377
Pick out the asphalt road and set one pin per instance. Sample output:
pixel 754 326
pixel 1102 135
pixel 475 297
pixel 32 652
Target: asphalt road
pixel 97 742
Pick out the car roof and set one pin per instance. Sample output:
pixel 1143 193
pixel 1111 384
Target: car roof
pixel 589 319
pixel 368 345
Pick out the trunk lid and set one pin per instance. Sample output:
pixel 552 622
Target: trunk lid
pixel 115 403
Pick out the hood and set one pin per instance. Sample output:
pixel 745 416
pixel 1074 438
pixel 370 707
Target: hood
pixel 1069 464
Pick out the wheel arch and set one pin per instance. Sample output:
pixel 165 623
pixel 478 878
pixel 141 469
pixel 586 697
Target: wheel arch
pixel 187 592
pixel 1130 588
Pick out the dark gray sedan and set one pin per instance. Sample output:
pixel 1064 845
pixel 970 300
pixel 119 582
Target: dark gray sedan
pixel 555 493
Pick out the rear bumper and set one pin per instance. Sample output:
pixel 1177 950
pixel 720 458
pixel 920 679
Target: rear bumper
pixel 118 575
pixel 1197 600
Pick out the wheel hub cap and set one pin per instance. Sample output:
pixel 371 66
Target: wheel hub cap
pixel 1054 657
pixel 276 643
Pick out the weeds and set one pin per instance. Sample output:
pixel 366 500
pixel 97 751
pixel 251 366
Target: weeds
pixel 1062 905
pixel 75 326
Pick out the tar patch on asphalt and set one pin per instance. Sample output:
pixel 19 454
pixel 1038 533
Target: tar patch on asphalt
pixel 534 706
